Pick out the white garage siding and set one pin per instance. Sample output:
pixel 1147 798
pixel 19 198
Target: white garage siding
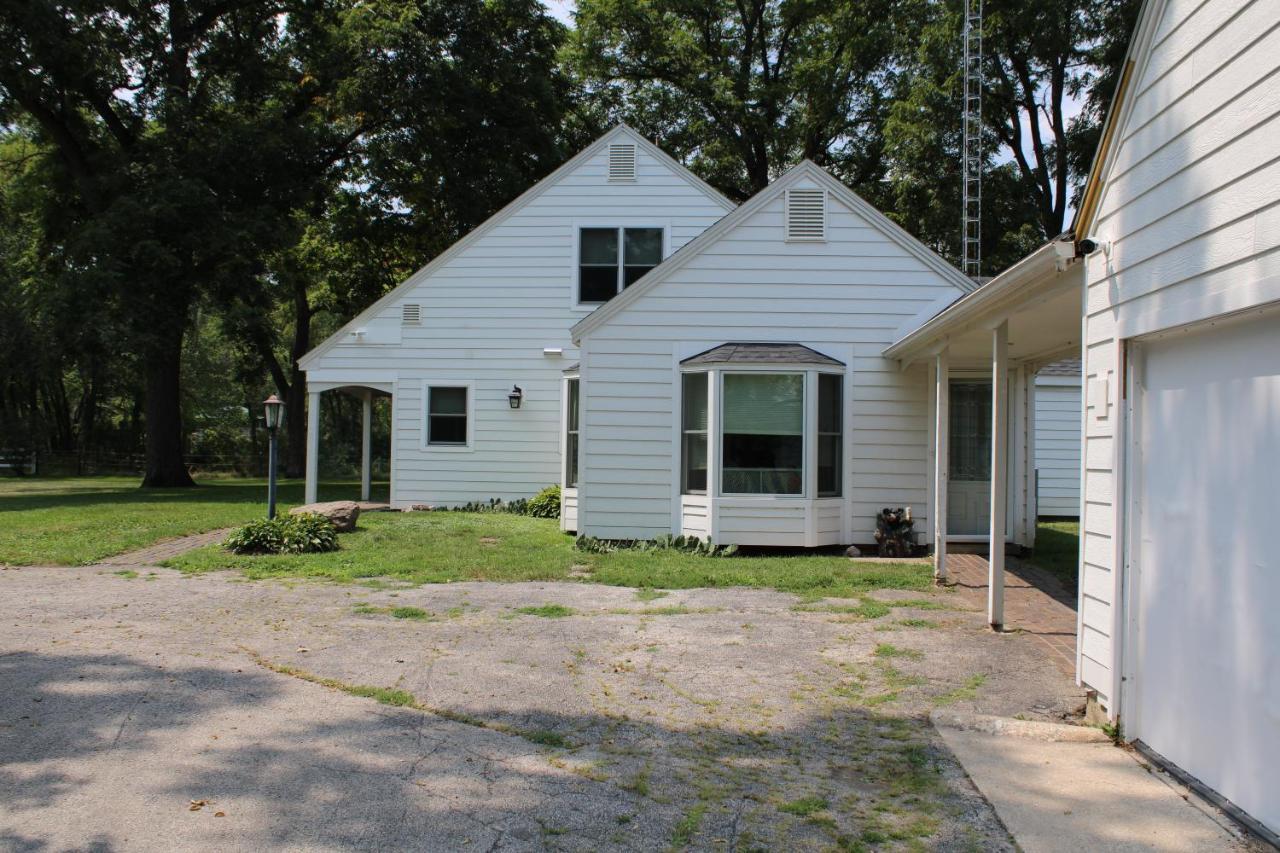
pixel 848 298
pixel 1189 205
pixel 1057 427
pixel 488 312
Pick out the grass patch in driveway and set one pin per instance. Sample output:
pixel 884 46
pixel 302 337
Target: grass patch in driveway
pixel 805 806
pixel 441 547
pixel 546 611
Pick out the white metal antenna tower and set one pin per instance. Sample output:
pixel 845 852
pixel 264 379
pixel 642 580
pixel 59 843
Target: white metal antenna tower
pixel 971 162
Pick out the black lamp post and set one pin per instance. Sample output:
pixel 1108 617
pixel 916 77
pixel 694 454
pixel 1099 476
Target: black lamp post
pixel 274 408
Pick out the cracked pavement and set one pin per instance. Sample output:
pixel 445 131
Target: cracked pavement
pixel 183 712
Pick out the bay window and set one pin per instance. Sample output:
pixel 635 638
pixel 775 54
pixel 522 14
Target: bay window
pixel 830 429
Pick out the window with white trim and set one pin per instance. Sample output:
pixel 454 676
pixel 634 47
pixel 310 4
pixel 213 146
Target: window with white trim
pixel 610 259
pixel 693 431
pixel 571 435
pixel 762 447
pixel 447 415
pixel 830 434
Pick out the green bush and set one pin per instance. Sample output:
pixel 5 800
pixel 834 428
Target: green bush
pixel 545 504
pixel 305 533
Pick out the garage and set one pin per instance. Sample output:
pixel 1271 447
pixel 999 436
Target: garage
pixel 1203 649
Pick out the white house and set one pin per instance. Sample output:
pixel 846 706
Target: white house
pixel 493 313
pixel 738 391
pixel 800 362
pixel 1172 281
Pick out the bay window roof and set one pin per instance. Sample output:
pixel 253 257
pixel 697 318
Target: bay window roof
pixel 761 353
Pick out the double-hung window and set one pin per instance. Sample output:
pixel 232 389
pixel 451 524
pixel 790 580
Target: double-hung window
pixel 571 436
pixel 447 415
pixel 610 259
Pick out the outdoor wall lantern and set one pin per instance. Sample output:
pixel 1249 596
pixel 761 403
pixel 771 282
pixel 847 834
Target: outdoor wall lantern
pixel 273 408
pixel 515 396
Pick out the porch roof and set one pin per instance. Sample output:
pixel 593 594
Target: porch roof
pixel 1041 299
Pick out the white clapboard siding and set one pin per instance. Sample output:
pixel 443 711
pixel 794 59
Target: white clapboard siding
pixel 1189 207
pixel 847 297
pixel 485 316
pixel 1057 425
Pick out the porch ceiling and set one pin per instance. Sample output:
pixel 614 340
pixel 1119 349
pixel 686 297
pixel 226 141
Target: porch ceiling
pixel 1040 302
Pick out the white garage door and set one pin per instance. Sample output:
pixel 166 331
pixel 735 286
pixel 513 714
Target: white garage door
pixel 1207 602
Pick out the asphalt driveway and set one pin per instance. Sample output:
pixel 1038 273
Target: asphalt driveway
pixel 161 711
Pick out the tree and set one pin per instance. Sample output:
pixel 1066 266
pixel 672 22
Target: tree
pixel 743 90
pixel 1039 58
pixel 183 132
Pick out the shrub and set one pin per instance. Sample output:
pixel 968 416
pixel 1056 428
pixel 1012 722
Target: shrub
pixel 545 504
pixel 304 533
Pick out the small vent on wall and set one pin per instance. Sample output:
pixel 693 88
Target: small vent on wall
pixel 622 162
pixel 410 315
pixel 806 214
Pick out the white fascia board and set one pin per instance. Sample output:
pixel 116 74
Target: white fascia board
pixel 529 195
pixel 805 169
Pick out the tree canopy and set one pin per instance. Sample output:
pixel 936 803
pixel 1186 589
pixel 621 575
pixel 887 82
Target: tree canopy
pixel 194 192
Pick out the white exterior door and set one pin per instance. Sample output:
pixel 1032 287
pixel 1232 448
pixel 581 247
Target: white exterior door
pixel 969 454
pixel 1204 677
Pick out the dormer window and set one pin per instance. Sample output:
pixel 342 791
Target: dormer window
pixel 610 259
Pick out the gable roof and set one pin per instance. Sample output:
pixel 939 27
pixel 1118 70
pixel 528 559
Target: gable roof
pixel 529 195
pixel 762 353
pixel 806 169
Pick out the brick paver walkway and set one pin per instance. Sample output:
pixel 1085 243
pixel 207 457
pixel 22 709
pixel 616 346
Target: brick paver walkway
pixel 154 554
pixel 1034 602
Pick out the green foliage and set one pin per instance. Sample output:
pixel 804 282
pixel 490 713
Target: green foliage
pixel 545 504
pixel 805 806
pixel 667 542
pixel 304 533
pixel 546 611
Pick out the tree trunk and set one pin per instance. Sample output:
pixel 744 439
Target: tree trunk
pixel 295 464
pixel 165 464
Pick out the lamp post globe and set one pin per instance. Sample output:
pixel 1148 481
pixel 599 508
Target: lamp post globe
pixel 273 411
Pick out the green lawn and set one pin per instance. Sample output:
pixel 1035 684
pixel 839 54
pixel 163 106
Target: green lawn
pixel 438 547
pixel 71 521
pixel 1057 550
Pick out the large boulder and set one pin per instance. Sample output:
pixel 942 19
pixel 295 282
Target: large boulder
pixel 343 514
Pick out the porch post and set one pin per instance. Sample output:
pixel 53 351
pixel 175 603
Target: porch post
pixel 999 471
pixel 313 446
pixel 941 461
pixel 366 445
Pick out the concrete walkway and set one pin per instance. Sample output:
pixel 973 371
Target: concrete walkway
pixel 1063 797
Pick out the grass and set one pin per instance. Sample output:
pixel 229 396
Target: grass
pixel 68 521
pixel 805 806
pixel 965 693
pixel 441 547
pixel 1057 550
pixel 546 611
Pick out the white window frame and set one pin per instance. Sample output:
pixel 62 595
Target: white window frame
pixel 715 430
pixel 618 225
pixel 425 409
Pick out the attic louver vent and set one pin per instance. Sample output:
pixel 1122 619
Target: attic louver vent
pixel 622 162
pixel 806 215
pixel 410 315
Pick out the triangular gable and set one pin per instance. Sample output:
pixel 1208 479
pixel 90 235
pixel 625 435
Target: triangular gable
pixel 619 131
pixel 1136 60
pixel 805 170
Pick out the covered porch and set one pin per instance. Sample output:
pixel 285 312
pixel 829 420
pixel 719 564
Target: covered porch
pixel 983 352
pixel 369 392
